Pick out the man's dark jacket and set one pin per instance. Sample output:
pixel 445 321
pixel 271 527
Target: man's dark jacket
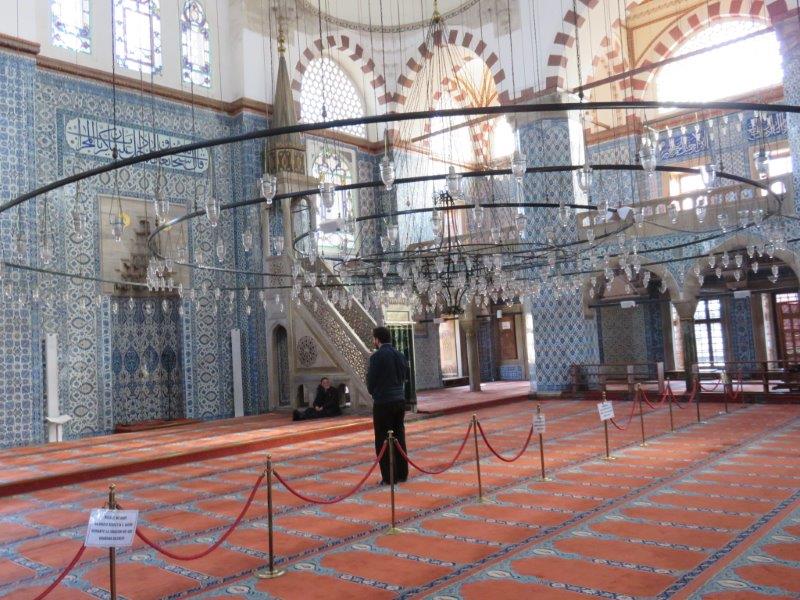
pixel 388 371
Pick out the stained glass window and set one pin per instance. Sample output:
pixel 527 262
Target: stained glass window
pixel 195 45
pixel 137 35
pixel 326 85
pixel 69 22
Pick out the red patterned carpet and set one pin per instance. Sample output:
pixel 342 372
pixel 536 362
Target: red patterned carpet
pixel 710 511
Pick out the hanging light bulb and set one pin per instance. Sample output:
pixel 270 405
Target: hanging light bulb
pixel 761 162
pixel 247 240
pixel 277 244
pixel 754 266
pixel 478 214
pixel 522 222
pixel 220 249
pixel 718 272
pixel 453 180
pixel 326 191
pixel 391 232
pixel 78 222
pixel 46 250
pixel 436 222
pixel 117 223
pixel 387 172
pixel 708 173
pixel 712 260
pixel 725 260
pixel 268 187
pixel 213 210
pixel 161 205
pixel 737 274
pixel 672 211
pixel 519 164
pixel 701 208
pixel 585 178
pixel 647 155
pixel 775 270
pixel 722 221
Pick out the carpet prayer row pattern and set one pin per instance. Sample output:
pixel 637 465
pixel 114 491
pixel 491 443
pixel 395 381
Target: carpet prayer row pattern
pixel 710 511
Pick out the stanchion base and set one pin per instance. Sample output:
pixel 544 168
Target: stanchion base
pixel 609 458
pixel 270 574
pixel 643 444
pixel 394 531
pixel 545 479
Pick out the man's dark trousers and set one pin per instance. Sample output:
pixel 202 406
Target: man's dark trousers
pixel 388 416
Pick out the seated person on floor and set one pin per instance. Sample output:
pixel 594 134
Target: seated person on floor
pixel 326 403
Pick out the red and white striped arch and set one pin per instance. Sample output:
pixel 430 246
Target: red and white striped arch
pixel 564 41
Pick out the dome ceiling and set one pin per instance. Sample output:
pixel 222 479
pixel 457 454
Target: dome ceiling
pixel 365 15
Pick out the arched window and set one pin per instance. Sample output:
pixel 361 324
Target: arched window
pixel 137 35
pixel 755 61
pixel 326 85
pixel 69 25
pixel 195 46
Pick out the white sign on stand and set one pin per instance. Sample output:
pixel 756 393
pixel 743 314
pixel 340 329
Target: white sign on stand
pixel 111 528
pixel 606 410
pixel 538 423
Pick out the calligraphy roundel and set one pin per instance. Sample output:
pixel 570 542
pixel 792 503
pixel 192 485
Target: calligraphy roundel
pixel 307 351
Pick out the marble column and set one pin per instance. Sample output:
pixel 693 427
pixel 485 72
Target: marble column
pixel 468 324
pixel 686 315
pixel 562 332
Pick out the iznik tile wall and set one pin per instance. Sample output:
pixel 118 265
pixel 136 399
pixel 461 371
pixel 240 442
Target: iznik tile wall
pixel 740 323
pixel 426 358
pixel 146 360
pixel 562 335
pixel 35 107
pixel 21 394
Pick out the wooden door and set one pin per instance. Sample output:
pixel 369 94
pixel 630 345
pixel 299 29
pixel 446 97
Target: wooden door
pixel 789 330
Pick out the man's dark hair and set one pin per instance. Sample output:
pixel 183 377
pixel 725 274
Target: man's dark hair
pixel 323 379
pixel 382 334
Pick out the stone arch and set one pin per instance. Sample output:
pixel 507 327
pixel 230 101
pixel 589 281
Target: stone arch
pixel 464 39
pixel 684 27
pixel 359 67
pixel 739 240
pixel 564 41
pixel 661 270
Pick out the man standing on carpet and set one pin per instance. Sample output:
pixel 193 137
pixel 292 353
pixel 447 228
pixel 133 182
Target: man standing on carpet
pixel 386 378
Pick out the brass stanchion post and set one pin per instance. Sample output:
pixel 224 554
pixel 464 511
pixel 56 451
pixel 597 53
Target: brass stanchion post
pixel 390 440
pixel 112 552
pixel 541 446
pixel 671 420
pixel 727 386
pixel 697 395
pixel 477 456
pixel 605 432
pixel 272 573
pixel 641 412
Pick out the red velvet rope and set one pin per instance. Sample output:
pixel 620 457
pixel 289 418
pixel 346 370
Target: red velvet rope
pixel 339 498
pixel 630 418
pixel 216 544
pixel 434 471
pixel 659 401
pixel 711 389
pixel 64 573
pixel 497 454
pixel 675 398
